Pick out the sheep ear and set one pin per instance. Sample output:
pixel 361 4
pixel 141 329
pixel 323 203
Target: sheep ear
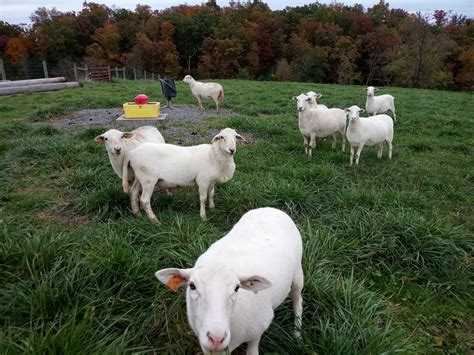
pixel 346 110
pixel 216 138
pixel 173 278
pixel 376 89
pixel 127 135
pixel 99 139
pixel 294 98
pixel 361 110
pixel 318 96
pixel 238 136
pixel 254 283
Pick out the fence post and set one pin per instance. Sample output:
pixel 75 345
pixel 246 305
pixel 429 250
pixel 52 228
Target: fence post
pixel 87 72
pixel 2 70
pixel 145 74
pixel 110 75
pixel 45 69
pixel 153 76
pixel 116 73
pixel 134 74
pixel 124 73
pixel 74 68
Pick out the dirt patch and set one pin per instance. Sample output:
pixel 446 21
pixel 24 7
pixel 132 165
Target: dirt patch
pixel 184 123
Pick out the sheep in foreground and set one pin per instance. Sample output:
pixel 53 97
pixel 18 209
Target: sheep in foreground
pixel 172 166
pixel 261 254
pixel 119 143
pixel 205 91
pixel 370 131
pixel 379 104
pixel 313 96
pixel 319 123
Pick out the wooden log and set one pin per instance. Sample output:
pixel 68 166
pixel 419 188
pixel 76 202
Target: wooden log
pixel 37 88
pixel 16 83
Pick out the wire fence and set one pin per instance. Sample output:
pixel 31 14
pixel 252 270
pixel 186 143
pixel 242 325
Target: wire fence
pixel 36 68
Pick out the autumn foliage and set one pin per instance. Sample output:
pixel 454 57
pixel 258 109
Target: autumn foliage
pixel 317 42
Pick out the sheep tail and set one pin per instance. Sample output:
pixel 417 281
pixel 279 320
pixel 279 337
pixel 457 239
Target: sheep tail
pixel 221 96
pixel 126 163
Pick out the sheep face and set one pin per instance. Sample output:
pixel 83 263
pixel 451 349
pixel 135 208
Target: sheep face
pixel 211 296
pixel 353 112
pixel 313 96
pixel 227 140
pixel 370 91
pixel 188 79
pixel 302 101
pixel 113 140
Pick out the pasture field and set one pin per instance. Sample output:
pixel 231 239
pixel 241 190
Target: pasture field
pixel 388 245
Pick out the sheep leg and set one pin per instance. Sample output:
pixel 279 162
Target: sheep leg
pixel 296 288
pixel 333 145
pixel 199 101
pixel 359 150
pixel 352 155
pixel 147 192
pixel 134 191
pixel 217 105
pixel 203 197
pixel 312 144
pixel 380 152
pixel 394 115
pixel 252 347
pixel 306 145
pixel 343 134
pixel 389 150
pixel 211 197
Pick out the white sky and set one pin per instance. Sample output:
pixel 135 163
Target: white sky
pixel 15 12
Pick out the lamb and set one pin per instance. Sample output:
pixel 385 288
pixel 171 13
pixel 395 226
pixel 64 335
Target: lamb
pixel 205 91
pixel 172 166
pixel 262 254
pixel 119 143
pixel 379 104
pixel 370 131
pixel 319 123
pixel 313 96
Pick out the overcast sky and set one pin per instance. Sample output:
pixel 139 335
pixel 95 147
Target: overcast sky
pixel 15 11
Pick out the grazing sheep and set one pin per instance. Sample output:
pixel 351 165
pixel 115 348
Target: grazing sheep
pixel 261 254
pixel 313 96
pixel 379 104
pixel 370 131
pixel 205 91
pixel 319 123
pixel 119 143
pixel 172 166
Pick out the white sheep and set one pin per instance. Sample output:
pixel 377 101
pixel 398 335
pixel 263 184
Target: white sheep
pixel 171 166
pixel 205 91
pixel 119 143
pixel 319 123
pixel 379 104
pixel 262 254
pixel 313 96
pixel 370 131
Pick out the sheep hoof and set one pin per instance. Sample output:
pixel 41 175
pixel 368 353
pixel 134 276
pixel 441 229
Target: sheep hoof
pixel 155 221
pixel 297 334
pixel 136 212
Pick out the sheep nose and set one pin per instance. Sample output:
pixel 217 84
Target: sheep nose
pixel 216 339
pixel 117 150
pixel 231 151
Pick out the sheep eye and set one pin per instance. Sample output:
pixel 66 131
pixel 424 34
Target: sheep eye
pixel 106 139
pixel 192 286
pixel 237 288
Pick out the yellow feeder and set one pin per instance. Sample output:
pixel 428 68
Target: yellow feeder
pixel 149 110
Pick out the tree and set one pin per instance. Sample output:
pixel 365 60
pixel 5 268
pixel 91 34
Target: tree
pixel 220 58
pixel 105 49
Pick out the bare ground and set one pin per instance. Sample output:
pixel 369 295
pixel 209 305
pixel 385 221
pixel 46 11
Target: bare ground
pixel 183 124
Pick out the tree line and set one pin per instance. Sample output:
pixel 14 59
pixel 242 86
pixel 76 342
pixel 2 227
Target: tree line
pixel 314 43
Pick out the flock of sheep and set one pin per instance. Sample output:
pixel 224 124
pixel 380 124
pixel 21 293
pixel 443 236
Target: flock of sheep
pixel 263 251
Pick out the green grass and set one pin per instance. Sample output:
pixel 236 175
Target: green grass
pixel 387 245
